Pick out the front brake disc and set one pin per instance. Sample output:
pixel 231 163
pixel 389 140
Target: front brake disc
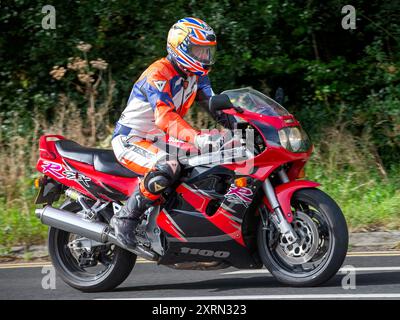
pixel 306 246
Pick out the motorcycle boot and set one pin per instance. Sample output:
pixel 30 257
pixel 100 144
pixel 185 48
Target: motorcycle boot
pixel 127 219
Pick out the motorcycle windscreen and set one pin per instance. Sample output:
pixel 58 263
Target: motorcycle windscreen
pixel 254 101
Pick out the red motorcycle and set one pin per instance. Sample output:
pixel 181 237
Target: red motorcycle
pixel 242 207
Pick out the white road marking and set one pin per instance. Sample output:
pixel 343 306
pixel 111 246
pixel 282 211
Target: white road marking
pixel 277 297
pixel 372 269
pixel 246 271
pixel 360 269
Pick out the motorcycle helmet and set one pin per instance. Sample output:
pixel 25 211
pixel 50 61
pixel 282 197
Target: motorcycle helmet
pixel 192 44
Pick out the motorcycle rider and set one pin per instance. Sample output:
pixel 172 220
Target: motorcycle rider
pixel 156 106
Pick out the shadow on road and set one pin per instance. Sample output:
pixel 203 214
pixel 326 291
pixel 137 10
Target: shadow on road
pixel 227 284
pixel 217 284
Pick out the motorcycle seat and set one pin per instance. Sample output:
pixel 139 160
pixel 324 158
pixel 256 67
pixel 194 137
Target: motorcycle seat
pixel 103 160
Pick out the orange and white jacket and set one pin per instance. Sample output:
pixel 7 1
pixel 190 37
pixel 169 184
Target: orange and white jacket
pixel 160 99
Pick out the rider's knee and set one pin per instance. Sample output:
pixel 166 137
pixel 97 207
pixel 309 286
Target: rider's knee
pixel 165 173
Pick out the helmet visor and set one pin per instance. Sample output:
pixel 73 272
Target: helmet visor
pixel 203 54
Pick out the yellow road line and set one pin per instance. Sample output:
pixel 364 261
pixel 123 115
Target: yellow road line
pixel 44 264
pixel 24 265
pixel 140 260
pixel 374 254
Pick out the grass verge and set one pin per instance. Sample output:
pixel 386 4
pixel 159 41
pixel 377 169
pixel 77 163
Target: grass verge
pixel 369 205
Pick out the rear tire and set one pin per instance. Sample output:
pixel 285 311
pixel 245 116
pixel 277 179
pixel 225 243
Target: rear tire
pixel 332 228
pixel 118 269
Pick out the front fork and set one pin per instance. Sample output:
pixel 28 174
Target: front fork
pixel 278 219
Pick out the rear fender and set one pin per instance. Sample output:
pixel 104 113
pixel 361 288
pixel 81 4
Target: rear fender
pixel 284 193
pixel 50 191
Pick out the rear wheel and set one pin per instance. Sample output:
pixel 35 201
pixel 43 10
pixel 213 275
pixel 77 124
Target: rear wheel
pixel 322 241
pixel 85 265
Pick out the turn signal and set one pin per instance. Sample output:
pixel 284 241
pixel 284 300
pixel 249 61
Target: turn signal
pixel 302 174
pixel 241 182
pixel 37 183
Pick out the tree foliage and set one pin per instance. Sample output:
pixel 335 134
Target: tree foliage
pixel 329 74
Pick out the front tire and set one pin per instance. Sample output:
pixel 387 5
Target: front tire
pixel 118 263
pixel 315 261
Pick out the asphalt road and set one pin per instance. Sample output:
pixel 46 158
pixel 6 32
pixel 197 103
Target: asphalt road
pixel 377 276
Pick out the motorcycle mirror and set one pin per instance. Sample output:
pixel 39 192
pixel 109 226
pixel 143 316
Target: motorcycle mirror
pixel 219 102
pixel 279 95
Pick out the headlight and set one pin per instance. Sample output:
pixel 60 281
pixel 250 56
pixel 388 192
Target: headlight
pixel 283 138
pixel 294 139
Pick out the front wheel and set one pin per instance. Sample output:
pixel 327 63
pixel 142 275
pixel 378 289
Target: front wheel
pixel 322 241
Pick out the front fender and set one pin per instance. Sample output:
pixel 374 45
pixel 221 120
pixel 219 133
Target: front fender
pixel 284 193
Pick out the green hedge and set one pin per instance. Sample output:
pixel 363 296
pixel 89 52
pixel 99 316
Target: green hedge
pixel 329 74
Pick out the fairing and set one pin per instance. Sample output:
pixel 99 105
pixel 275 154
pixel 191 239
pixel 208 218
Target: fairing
pixel 81 176
pixel 206 217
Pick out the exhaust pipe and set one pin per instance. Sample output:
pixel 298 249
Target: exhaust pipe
pixel 94 230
